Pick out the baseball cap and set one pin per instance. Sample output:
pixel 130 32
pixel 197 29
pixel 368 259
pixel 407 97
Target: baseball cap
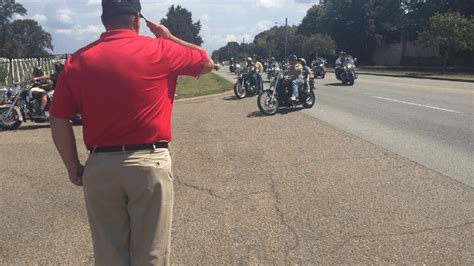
pixel 120 7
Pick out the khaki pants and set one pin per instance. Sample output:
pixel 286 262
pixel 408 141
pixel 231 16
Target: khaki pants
pixel 129 200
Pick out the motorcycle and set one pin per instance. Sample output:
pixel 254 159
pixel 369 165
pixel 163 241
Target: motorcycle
pixel 279 93
pixel 346 70
pixel 319 68
pixel 244 86
pixel 18 105
pixel 272 71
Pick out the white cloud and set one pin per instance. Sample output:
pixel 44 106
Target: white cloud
pixel 93 2
pixel 65 15
pixel 204 17
pixel 39 18
pixel 74 23
pixel 270 3
pixel 79 32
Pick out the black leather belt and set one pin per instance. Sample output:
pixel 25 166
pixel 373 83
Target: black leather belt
pixel 123 148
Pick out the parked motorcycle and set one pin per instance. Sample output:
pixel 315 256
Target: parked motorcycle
pixel 244 86
pixel 279 93
pixel 346 70
pixel 18 104
pixel 319 67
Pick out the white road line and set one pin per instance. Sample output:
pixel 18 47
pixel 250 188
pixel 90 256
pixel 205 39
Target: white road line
pixel 417 104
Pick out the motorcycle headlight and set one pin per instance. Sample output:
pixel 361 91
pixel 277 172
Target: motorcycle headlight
pixel 321 65
pixel 350 65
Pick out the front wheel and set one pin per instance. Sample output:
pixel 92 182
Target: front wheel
pixel 239 90
pixel 309 100
pixel 9 121
pixel 267 102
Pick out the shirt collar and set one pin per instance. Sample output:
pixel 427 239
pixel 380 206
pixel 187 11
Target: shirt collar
pixel 118 34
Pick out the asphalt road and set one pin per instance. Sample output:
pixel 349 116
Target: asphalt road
pixel 430 122
pixel 250 189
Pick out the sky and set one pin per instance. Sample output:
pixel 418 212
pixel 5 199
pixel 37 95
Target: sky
pixel 75 23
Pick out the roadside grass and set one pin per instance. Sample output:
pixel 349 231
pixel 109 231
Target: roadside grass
pixel 206 85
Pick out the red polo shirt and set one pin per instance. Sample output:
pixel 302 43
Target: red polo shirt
pixel 124 85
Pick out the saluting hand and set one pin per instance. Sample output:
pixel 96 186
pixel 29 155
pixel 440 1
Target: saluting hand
pixel 160 31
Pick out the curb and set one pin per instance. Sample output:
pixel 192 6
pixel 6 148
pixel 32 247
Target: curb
pixel 413 76
pixel 204 97
pixel 418 77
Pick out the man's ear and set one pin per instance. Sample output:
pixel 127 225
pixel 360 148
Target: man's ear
pixel 136 22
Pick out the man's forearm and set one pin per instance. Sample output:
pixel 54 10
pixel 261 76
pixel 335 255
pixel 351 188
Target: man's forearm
pixel 63 137
pixel 185 43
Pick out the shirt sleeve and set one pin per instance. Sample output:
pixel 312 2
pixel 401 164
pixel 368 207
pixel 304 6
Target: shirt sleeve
pixel 183 60
pixel 63 105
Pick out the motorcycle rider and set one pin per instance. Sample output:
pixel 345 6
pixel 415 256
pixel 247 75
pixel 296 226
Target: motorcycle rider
pixel 254 66
pixel 41 91
pixel 306 73
pixel 295 73
pixel 258 70
pixel 339 63
pixel 54 77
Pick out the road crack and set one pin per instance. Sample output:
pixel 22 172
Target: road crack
pixel 408 233
pixel 214 194
pixel 281 215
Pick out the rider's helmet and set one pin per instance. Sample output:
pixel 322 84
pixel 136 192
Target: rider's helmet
pixel 302 61
pixel 292 58
pixel 37 72
pixel 249 59
pixel 272 59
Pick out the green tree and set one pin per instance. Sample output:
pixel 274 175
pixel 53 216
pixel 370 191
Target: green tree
pixel 180 22
pixel 21 38
pixel 319 45
pixel 357 26
pixel 418 13
pixel 450 31
pixel 7 10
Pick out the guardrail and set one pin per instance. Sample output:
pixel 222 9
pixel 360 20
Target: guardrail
pixel 21 69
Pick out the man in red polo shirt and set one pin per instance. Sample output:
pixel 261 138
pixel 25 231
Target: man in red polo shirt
pixel 124 85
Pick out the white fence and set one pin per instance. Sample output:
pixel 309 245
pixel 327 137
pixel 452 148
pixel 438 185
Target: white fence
pixel 21 69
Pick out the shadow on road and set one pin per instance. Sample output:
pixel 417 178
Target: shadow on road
pixel 28 127
pixel 281 111
pixel 231 98
pixel 335 84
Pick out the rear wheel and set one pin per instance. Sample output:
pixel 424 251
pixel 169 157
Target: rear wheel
pixel 9 121
pixel 267 103
pixel 239 90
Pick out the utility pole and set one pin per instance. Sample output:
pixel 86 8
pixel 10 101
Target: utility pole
pixel 286 37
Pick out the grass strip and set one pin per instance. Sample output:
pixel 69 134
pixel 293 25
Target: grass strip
pixel 206 85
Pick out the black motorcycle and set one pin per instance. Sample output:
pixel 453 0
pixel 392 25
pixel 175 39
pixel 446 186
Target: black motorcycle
pixel 319 68
pixel 346 70
pixel 279 93
pixel 20 104
pixel 244 85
